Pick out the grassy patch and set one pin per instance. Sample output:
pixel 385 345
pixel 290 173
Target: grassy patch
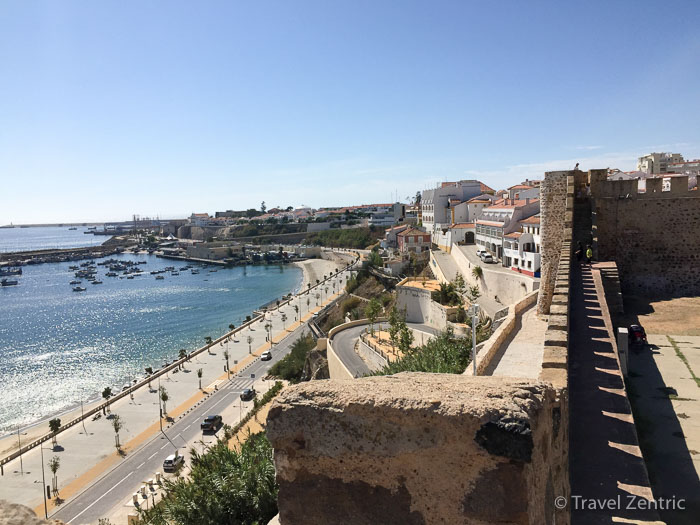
pixel 291 366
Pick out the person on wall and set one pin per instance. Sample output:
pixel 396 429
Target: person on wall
pixel 589 255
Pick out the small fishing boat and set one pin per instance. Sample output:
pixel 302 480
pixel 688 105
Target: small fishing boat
pixel 159 277
pixel 75 282
pixel 8 282
pixel 96 282
pixel 79 289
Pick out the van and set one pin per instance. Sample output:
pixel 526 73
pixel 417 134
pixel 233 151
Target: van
pixel 173 462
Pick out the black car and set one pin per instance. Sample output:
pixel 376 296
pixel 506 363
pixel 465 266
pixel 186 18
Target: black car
pixel 211 423
pixel 636 335
pixel 248 394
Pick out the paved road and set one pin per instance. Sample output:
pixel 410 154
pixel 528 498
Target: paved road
pixel 344 345
pixel 118 484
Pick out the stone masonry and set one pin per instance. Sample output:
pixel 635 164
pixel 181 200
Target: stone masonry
pixel 556 211
pixel 652 236
pixel 419 448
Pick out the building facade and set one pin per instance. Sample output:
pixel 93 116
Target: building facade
pixel 521 249
pixel 501 219
pixel 435 203
pixel 656 163
pixel 413 240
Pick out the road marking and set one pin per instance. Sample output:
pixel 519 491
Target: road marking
pixel 103 495
pixel 164 446
pixel 188 426
pixel 149 457
pixel 141 465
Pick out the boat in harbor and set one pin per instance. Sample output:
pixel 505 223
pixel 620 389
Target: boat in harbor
pixel 73 228
pixel 75 282
pixel 79 289
pixel 96 282
pixel 111 274
pixel 194 272
pixel 8 282
pixel 174 273
pixel 160 277
pixel 10 271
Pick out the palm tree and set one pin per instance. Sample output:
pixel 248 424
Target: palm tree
pixel 54 464
pixel 181 355
pixel 164 398
pixel 207 340
pixel 106 394
pixel 231 327
pixel 226 359
pixel 250 341
pixel 477 272
pixel 284 321
pixel 199 375
pixel 117 425
pixel 268 327
pixel 308 302
pixel 317 282
pixel 149 371
pixel 318 296
pixel 296 312
pixel 54 427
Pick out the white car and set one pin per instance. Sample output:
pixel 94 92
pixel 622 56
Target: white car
pixel 487 258
pixel 173 462
pixel 265 356
pixel 481 252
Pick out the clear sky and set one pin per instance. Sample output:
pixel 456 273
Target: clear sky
pixel 110 108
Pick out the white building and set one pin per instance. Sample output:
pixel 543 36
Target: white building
pixel 521 249
pixel 522 191
pixel 656 163
pixel 501 219
pixel 435 203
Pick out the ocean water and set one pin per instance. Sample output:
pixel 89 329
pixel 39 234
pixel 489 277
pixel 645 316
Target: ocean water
pixel 58 346
pixel 50 237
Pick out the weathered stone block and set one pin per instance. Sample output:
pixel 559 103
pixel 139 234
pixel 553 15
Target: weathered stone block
pixel 559 322
pixel 419 449
pixel 555 357
pixel 554 337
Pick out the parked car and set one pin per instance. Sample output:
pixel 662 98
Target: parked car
pixel 173 462
pixel 211 423
pixel 636 335
pixel 481 252
pixel 247 394
pixel 487 258
pixel 265 356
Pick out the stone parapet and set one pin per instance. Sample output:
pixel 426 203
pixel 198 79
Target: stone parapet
pixel 420 449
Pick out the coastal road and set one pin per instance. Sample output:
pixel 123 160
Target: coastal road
pixel 121 482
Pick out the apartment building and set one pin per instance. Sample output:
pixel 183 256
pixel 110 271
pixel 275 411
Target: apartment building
pixel 500 219
pixel 521 249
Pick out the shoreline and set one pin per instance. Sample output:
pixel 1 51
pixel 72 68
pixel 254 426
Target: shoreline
pixel 312 269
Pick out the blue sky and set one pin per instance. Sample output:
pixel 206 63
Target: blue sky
pixel 163 107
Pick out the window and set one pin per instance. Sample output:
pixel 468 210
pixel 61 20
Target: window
pixel 529 264
pixel 515 262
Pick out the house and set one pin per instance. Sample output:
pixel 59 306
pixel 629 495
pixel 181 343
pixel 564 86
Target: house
pixel 199 219
pixel 435 203
pixel 500 219
pixel 521 249
pixel 413 240
pixel 522 191
pixel 390 240
pixel 461 233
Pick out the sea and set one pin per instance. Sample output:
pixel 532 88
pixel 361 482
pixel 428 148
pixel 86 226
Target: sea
pixel 58 346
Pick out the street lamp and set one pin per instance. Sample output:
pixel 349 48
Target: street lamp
pixel 43 481
pixel 474 313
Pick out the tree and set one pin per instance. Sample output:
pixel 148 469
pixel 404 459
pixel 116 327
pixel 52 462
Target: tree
pixel 418 197
pixel 296 312
pixel 284 321
pixel 226 356
pixel 394 327
pixel 318 282
pixel 263 208
pixel 474 293
pixel 477 272
pixel 318 296
pixel 459 283
pixel 231 327
pixel 268 328
pixel 182 354
pixel 308 302
pixel 54 464
pixel 106 394
pixel 375 259
pixel 54 427
pixel 446 295
pixel 405 338
pixel 278 304
pixel 250 341
pixel 199 375
pixel 117 425
pixel 149 371
pixel 372 312
pixel 164 398
pixel 207 340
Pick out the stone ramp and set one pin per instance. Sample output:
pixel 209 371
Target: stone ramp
pixel 521 355
pixel 447 265
pixel 605 459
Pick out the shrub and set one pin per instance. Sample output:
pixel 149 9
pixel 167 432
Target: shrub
pixel 445 354
pixel 350 304
pixel 292 365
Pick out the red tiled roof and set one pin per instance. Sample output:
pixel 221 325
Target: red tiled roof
pixel 511 203
pixel 490 223
pixel 485 188
pixel 535 219
pixel 412 231
pixel 520 187
pixel 462 225
pixel 513 235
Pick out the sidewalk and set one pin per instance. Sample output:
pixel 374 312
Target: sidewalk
pixel 84 456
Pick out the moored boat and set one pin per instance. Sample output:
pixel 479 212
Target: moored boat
pixel 8 282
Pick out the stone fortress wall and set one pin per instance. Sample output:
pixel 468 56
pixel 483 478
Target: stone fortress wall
pixel 654 236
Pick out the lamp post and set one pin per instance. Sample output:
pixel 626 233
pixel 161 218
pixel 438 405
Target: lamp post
pixel 43 481
pixel 19 443
pixel 160 408
pixel 474 312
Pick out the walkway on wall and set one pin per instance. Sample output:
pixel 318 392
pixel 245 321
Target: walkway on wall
pixel 521 354
pixel 605 460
